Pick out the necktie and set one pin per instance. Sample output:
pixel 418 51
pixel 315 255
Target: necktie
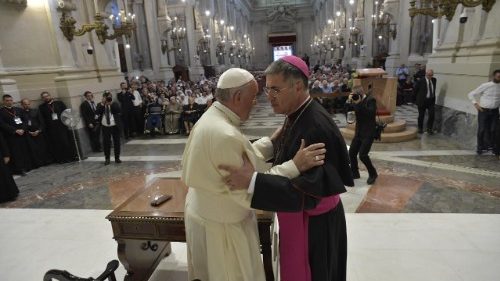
pixel 92 104
pixel 108 116
pixel 429 85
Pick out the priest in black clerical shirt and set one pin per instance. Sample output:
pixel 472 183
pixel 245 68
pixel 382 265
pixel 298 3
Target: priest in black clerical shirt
pixel 16 136
pixel 60 141
pixel 36 134
pixel 313 239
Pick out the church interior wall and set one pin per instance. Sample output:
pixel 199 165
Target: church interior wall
pixel 466 58
pixel 35 56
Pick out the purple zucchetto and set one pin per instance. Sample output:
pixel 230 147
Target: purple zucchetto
pixel 298 63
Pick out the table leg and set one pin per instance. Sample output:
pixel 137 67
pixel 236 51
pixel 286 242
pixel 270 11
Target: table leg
pixel 141 257
pixel 265 248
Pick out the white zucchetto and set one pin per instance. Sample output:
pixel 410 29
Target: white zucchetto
pixel 233 78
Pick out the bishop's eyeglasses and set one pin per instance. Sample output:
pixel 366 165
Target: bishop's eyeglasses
pixel 273 91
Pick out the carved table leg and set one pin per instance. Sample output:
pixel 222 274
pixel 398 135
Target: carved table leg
pixel 265 248
pixel 141 257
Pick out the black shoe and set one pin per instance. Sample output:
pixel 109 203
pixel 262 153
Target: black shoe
pixel 355 175
pixel 371 179
pixel 118 161
pixel 430 132
pixel 106 162
pixel 479 151
pixel 420 131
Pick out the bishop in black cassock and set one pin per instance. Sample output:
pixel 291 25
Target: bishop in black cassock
pixel 313 239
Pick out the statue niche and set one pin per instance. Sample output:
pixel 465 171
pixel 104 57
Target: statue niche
pixel 282 13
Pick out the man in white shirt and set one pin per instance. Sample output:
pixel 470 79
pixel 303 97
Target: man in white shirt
pixel 486 99
pixel 402 73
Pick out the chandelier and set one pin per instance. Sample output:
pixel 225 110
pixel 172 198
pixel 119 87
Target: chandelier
pixel 122 23
pixel 178 33
pixel 439 8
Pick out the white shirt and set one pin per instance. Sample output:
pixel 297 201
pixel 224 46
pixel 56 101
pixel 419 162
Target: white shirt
pixel 487 95
pixel 138 99
pixel 111 118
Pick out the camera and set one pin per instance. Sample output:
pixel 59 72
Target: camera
pixel 109 99
pixel 463 17
pixel 90 49
pixel 356 97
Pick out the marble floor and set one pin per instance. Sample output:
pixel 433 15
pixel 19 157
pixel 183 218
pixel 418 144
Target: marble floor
pixel 433 213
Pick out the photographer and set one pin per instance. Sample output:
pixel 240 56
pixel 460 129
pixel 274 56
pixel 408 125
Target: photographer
pixel 109 113
pixel 365 108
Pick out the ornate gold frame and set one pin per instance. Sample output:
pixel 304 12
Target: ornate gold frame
pixel 68 28
pixel 446 7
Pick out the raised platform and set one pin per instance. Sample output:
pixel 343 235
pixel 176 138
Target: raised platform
pixel 396 130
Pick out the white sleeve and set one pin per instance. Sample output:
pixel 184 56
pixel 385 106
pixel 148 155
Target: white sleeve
pixel 251 187
pixel 265 147
pixel 475 94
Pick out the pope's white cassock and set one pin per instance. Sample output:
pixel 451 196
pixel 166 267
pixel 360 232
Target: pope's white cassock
pixel 221 228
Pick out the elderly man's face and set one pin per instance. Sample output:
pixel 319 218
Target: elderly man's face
pixel 26 104
pixel 248 99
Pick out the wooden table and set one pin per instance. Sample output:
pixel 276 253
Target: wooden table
pixel 144 232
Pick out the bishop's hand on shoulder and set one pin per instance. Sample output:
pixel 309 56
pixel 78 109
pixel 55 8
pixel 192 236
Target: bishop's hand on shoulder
pixel 310 156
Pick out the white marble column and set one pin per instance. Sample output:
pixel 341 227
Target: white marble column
pixel 164 22
pixel 8 86
pixel 194 34
pixel 393 60
pixel 367 47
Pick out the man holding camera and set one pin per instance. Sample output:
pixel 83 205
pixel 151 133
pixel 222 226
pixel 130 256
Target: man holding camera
pixel 365 108
pixel 109 113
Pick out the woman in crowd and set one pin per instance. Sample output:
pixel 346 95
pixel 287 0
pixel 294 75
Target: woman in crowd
pixel 172 114
pixel 190 115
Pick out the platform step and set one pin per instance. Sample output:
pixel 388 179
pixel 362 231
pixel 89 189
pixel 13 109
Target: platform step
pixel 394 127
pixel 409 134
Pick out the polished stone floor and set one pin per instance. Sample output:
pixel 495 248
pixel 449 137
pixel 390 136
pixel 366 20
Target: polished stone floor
pixel 455 192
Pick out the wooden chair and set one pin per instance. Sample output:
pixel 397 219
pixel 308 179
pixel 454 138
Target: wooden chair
pixel 63 275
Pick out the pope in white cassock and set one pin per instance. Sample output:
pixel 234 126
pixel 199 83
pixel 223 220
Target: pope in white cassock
pixel 221 228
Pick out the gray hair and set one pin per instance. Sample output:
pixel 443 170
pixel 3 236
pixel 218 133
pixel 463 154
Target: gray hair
pixel 290 73
pixel 223 95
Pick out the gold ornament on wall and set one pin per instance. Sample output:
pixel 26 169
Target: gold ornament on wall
pixel 123 24
pixel 439 8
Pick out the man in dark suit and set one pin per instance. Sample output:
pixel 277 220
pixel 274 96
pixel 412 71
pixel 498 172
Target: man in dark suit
pixel 88 111
pixel 126 99
pixel 109 113
pixel 425 94
pixel 365 108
